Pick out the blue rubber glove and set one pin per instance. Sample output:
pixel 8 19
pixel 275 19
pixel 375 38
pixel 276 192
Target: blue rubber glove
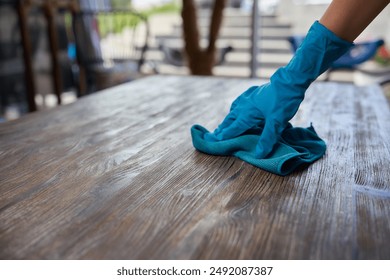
pixel 272 105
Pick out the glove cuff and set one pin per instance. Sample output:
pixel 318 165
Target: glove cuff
pixel 322 29
pixel 318 51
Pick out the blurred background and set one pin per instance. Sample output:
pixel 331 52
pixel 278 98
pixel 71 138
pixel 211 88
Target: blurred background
pixel 54 52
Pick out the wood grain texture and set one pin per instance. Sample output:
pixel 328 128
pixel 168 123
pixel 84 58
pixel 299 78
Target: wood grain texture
pixel 115 176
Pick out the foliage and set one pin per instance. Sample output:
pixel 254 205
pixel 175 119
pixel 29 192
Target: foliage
pixel 121 4
pixel 117 22
pixel 166 8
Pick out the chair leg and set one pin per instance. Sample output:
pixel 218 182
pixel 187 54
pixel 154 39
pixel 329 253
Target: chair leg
pixel 27 56
pixel 52 34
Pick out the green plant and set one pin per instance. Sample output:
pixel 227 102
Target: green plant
pixel 165 8
pixel 117 22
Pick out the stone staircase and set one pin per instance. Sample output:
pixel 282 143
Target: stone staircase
pixel 274 49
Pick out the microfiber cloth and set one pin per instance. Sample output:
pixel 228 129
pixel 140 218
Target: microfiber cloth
pixel 296 148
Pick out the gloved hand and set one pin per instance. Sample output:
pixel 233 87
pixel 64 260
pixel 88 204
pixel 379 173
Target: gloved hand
pixel 272 105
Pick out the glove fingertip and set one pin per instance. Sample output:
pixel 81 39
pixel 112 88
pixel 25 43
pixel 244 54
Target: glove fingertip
pixel 262 151
pixel 268 139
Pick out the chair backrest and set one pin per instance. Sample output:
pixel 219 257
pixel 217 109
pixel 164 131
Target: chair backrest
pixel 10 41
pixel 359 53
pixel 110 36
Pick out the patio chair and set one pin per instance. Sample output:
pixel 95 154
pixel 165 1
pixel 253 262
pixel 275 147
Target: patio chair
pixel 12 70
pixel 110 46
pixel 358 54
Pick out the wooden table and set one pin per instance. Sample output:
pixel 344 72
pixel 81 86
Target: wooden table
pixel 115 176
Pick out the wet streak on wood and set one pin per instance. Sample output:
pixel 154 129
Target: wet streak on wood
pixel 115 176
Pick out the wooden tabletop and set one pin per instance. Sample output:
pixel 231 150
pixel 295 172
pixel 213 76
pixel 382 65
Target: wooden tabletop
pixel 115 176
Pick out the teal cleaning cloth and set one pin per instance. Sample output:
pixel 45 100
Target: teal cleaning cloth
pixel 297 147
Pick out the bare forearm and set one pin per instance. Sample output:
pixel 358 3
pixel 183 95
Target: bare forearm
pixel 348 18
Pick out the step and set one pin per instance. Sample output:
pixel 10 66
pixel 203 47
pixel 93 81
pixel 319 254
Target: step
pixel 234 13
pixel 238 32
pixel 243 24
pixel 233 59
pixel 246 21
pixel 244 72
pixel 241 45
pixel 233 56
pixel 283 37
pixel 220 71
pixel 179 45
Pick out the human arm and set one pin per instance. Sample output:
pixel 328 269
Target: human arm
pixel 348 18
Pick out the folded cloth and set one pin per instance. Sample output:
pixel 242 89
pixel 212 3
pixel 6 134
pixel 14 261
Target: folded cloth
pixel 297 147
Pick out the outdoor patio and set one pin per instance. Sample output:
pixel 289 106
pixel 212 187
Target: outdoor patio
pixel 276 24
pixel 105 150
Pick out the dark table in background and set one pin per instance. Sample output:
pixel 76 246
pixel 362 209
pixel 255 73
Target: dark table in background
pixel 115 176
